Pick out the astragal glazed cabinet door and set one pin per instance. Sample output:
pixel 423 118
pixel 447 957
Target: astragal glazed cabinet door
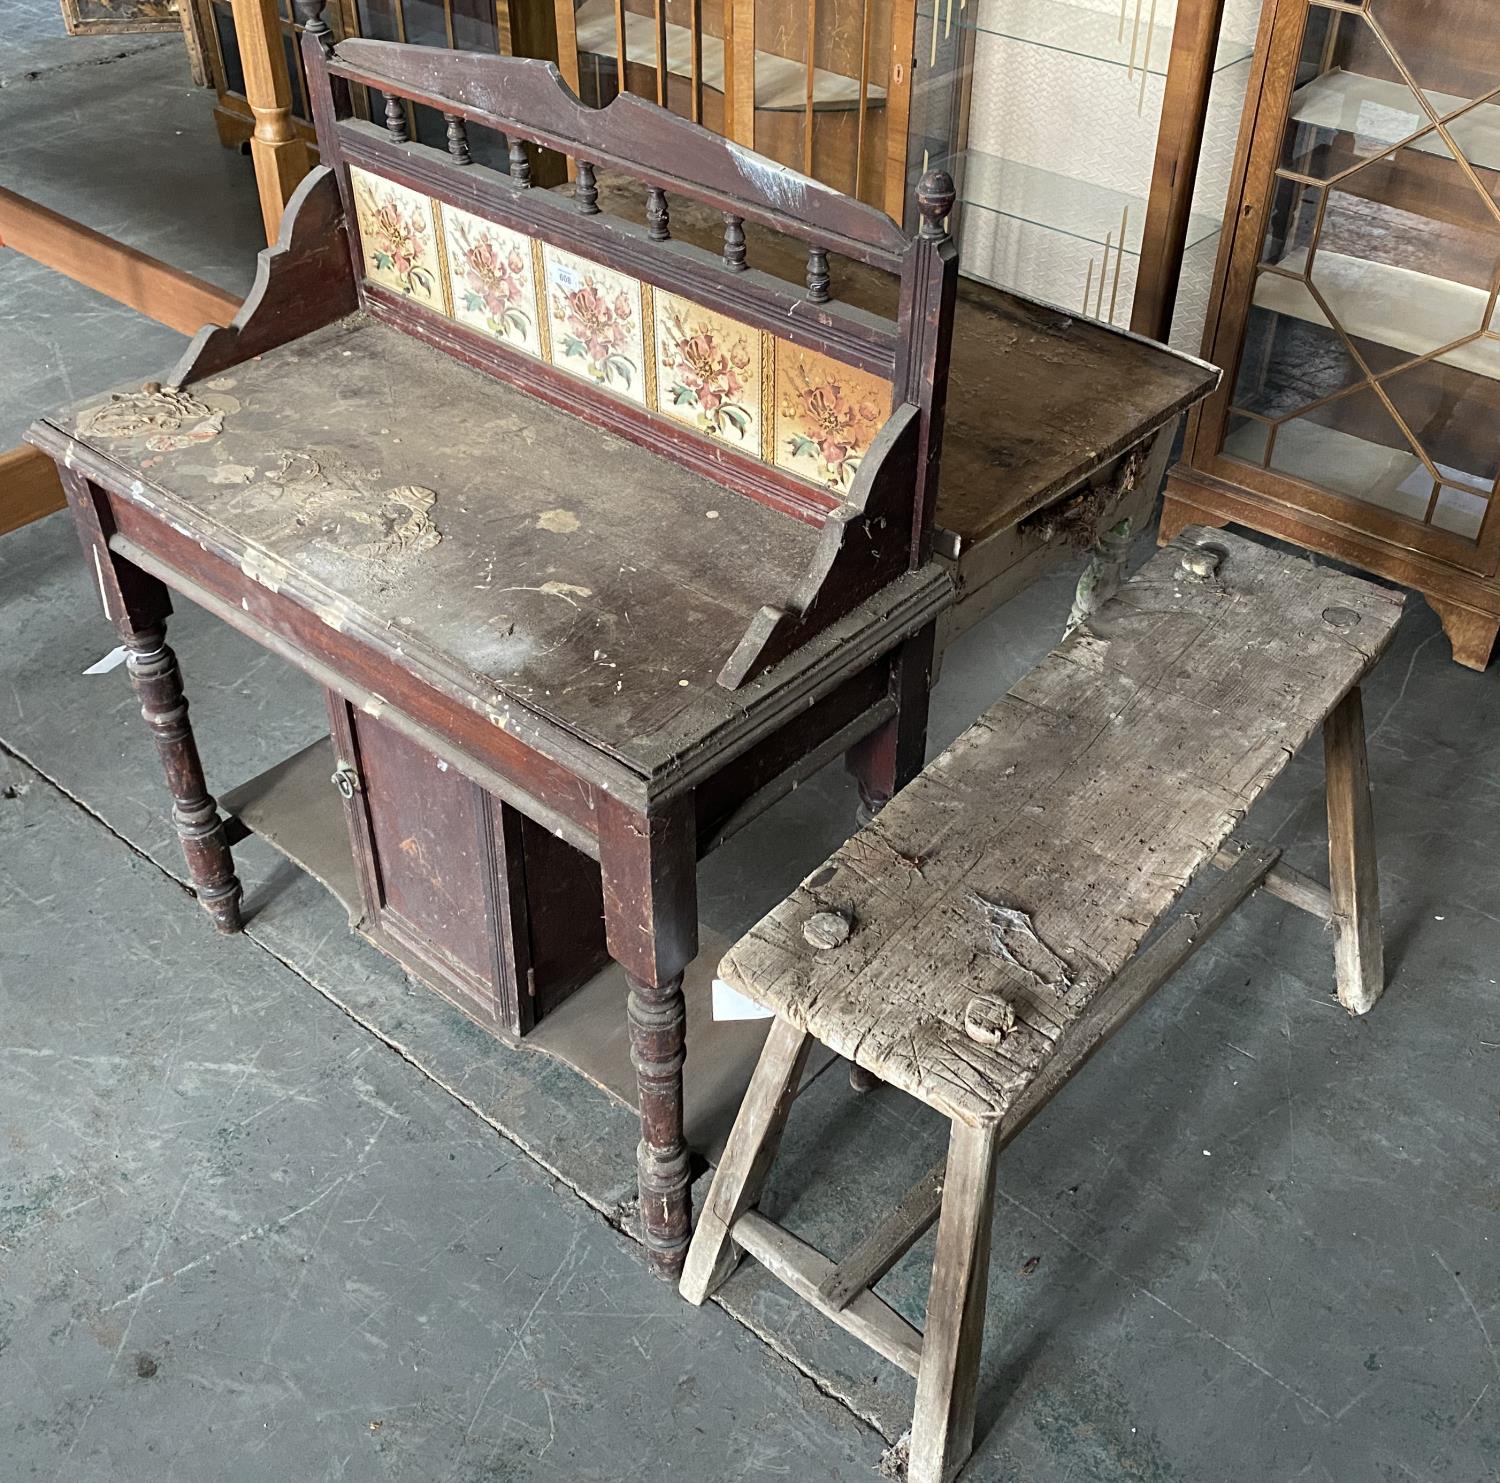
pixel 1356 316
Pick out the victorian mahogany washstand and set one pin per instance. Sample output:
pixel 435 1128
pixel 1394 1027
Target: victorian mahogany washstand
pixel 595 539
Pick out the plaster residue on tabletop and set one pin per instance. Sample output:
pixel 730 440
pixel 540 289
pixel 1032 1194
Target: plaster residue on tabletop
pixel 160 418
pixel 321 498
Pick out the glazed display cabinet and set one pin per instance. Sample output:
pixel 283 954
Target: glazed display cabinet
pixel 1355 304
pixel 1068 176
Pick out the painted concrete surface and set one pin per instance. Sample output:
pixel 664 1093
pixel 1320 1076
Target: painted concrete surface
pixel 240 1239
pixel 1255 1240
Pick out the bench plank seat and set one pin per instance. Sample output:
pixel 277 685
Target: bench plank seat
pixel 1030 861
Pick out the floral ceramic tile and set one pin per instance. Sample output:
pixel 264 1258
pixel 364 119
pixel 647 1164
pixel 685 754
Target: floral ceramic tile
pixel 708 372
pixel 398 237
pixel 826 415
pixel 491 283
pixel 595 319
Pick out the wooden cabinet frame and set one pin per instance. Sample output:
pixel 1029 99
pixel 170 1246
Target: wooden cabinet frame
pixel 1456 574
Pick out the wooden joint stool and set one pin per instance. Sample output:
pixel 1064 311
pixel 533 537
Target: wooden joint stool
pixel 997 922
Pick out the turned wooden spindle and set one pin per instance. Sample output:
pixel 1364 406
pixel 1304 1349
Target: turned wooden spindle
pixel 395 118
pixel 458 139
pixel 817 274
pixel 586 189
pixel 158 686
pixel 520 163
pixel 734 243
pixel 658 1021
pixel 935 197
pixel 658 215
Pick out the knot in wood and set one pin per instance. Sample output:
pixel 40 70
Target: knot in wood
pixel 827 929
pixel 987 1020
pixel 1202 563
pixel 1340 618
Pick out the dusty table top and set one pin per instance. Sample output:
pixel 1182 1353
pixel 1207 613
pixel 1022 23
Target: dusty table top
pixel 1026 865
pixel 1038 399
pixel 472 528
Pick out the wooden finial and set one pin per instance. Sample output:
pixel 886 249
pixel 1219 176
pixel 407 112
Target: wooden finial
pixel 935 197
pixel 658 214
pixel 310 15
pixel 586 189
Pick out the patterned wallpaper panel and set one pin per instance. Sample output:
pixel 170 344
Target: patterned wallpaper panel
pixel 793 408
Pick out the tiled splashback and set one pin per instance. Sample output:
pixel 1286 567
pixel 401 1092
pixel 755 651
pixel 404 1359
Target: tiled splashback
pixel 793 408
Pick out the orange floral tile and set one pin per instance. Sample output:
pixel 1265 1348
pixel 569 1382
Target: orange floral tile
pixel 595 321
pixel 708 372
pixel 491 283
pixel 398 237
pixel 826 415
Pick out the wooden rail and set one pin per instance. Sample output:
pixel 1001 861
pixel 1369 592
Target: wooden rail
pixel 181 301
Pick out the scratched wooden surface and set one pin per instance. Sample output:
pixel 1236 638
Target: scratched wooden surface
pixel 1030 860
pixel 557 565
pixel 1038 398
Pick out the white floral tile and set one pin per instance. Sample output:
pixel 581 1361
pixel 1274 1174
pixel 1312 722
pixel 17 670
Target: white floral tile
pixel 708 372
pixel 595 319
pixel 398 237
pixel 491 281
pixel 827 413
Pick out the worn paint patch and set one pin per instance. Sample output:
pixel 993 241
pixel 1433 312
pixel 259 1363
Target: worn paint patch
pixel 565 589
pixel 562 522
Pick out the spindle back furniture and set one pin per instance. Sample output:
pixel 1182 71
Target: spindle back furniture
pixel 443 461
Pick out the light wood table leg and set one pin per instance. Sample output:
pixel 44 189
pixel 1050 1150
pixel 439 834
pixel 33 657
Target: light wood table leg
pixel 747 1157
pixel 1352 878
pixel 942 1432
pixel 276 149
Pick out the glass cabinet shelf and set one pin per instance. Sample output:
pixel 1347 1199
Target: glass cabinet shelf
pixel 1127 37
pixel 1383 113
pixel 1062 203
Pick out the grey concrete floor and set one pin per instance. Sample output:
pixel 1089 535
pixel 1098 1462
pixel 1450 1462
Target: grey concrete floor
pixel 268 1211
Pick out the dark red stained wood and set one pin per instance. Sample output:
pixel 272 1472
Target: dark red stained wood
pixel 861 548
pixel 500 917
pixel 887 760
pixel 551 784
pixel 139 606
pixel 525 96
pixel 526 99
pixel 650 868
pixel 302 283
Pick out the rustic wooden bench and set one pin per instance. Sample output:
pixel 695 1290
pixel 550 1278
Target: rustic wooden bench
pixel 989 930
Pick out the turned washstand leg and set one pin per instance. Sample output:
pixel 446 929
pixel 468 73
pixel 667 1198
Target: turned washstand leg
pixel 138 605
pixel 649 863
pixel 158 687
pixel 890 757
